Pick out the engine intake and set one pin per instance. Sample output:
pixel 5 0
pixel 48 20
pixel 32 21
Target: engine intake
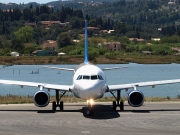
pixel 41 98
pixel 135 98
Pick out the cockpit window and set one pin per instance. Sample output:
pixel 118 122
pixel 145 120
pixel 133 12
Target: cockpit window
pixel 86 77
pixel 79 77
pixel 93 77
pixel 100 77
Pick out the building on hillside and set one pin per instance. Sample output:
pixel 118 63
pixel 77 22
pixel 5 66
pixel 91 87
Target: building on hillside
pixel 107 31
pixel 176 49
pixel 104 31
pixel 47 24
pixel 14 54
pixel 76 41
pixel 171 2
pixel 156 39
pixel 94 30
pixel 64 24
pixel 159 29
pixel 44 53
pixel 114 46
pixel 49 44
pixel 147 52
pixel 61 54
pixel 32 24
pixel 111 31
pixel 137 40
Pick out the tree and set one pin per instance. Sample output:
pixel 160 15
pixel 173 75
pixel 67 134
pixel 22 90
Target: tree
pixel 17 45
pixel 76 22
pixel 24 34
pixel 4 42
pixel 64 39
pixel 1 44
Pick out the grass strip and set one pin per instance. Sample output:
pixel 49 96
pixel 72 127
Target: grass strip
pixel 13 99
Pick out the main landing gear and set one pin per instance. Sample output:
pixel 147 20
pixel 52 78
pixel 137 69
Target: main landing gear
pixel 118 102
pixel 89 111
pixel 58 102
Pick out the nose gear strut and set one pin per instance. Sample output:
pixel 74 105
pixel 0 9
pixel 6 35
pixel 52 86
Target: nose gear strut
pixel 89 111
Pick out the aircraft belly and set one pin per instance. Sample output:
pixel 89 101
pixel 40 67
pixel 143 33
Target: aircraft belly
pixel 89 90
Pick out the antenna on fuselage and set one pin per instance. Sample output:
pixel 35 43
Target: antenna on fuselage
pixel 86 45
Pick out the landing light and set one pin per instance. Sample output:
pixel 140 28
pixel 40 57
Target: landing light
pixel 91 101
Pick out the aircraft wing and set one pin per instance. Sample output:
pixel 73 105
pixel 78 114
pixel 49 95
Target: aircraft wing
pixel 39 85
pixel 140 84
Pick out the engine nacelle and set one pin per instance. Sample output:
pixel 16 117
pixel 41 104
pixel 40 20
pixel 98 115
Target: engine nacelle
pixel 135 98
pixel 41 98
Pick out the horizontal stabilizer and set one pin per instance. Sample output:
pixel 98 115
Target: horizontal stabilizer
pixel 113 68
pixel 67 69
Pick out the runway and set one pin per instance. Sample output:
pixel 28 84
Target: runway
pixel 161 118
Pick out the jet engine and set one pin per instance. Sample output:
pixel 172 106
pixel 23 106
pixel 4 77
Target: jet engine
pixel 41 98
pixel 135 98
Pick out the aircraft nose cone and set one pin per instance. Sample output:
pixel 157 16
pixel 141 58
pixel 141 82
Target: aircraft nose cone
pixel 94 91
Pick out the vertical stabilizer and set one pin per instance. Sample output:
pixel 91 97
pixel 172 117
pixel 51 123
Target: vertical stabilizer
pixel 86 45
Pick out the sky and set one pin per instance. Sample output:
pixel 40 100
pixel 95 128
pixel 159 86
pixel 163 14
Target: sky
pixel 26 1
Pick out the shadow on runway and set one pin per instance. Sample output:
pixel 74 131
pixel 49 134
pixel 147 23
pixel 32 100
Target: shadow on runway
pixel 100 111
pixel 38 111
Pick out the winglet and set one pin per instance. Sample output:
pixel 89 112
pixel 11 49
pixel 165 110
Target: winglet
pixel 86 45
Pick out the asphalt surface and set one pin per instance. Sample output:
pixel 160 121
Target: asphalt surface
pixel 150 119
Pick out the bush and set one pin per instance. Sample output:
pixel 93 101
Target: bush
pixel 170 39
pixel 93 53
pixel 161 49
pixel 102 50
pixel 132 48
pixel 77 51
pixel 110 55
pixel 145 48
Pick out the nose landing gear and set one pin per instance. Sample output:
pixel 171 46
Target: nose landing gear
pixel 89 111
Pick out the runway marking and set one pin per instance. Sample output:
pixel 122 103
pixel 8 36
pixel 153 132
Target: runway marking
pixel 85 132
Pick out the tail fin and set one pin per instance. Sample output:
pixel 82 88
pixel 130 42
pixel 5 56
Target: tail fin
pixel 86 45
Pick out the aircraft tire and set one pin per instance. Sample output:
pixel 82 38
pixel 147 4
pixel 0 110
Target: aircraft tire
pixel 89 112
pixel 61 105
pixel 122 106
pixel 114 105
pixel 54 106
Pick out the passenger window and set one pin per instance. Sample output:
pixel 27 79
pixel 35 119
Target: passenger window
pixel 100 77
pixel 94 77
pixel 86 77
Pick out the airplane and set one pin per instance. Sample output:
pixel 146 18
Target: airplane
pixel 89 83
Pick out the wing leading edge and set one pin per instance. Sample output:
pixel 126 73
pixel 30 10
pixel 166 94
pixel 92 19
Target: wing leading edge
pixel 66 88
pixel 140 84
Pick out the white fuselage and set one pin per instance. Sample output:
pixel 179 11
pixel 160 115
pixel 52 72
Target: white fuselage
pixel 89 82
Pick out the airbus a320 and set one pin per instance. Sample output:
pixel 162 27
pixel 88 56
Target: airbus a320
pixel 89 83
